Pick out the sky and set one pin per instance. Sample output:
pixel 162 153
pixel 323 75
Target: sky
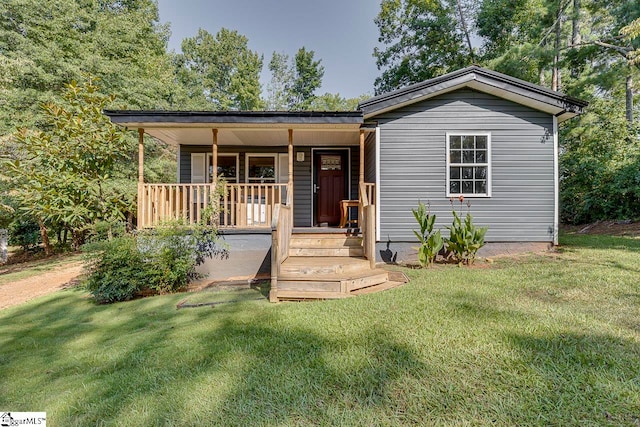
pixel 341 32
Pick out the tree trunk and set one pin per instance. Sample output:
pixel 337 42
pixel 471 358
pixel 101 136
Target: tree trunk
pixel 555 78
pixel 44 234
pixel 629 98
pixel 466 30
pixel 576 38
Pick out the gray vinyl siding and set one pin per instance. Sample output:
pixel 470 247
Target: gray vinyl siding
pixel 302 212
pixel 413 166
pixel 370 158
pixel 302 188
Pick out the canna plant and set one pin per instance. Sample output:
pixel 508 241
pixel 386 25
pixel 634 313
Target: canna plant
pixel 465 239
pixel 430 243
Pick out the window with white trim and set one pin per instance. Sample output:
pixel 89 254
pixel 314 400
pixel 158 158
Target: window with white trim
pixel 469 164
pixel 261 168
pixel 227 167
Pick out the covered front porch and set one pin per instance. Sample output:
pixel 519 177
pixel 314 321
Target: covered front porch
pixel 274 172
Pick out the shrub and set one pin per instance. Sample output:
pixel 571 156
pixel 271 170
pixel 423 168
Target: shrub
pixel 430 243
pixel 24 233
pixel 117 270
pixel 465 239
pixel 161 260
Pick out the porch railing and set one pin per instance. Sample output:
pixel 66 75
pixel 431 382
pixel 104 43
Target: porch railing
pixel 241 205
pixel 367 212
pixel 281 230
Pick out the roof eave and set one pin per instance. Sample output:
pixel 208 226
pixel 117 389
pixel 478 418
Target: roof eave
pixel 479 79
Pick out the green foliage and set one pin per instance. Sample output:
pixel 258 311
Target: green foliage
pixel 48 43
pixel 465 239
pixel 600 167
pixel 223 68
pixel 430 243
pixel 24 233
pixel 117 270
pixel 422 39
pixel 67 175
pixel 335 102
pixel 308 78
pixel 293 85
pixel 282 75
pixel 162 260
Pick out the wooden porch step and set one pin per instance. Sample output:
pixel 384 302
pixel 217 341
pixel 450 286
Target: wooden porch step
pixel 313 266
pixel 377 288
pixel 324 241
pixel 332 282
pixel 354 251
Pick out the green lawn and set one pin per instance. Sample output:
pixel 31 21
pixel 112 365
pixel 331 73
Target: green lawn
pixel 539 340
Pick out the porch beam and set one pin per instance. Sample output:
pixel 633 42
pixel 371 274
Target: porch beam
pixel 215 156
pixel 361 179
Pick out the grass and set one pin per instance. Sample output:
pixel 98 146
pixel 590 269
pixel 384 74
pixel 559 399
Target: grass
pixel 536 340
pixel 11 273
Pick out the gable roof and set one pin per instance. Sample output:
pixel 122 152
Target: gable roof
pixel 483 80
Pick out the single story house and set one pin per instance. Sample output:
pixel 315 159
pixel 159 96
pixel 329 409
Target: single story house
pixel 316 199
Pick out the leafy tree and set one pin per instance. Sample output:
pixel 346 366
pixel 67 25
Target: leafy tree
pixel 224 67
pixel 335 102
pixel 422 39
pixel 69 174
pixel 600 166
pixel 282 76
pixel 294 83
pixel 47 43
pixel 307 79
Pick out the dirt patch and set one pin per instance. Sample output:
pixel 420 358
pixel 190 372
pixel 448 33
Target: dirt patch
pixel 23 290
pixel 611 228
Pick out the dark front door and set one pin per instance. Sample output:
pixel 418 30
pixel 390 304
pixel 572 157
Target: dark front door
pixel 330 185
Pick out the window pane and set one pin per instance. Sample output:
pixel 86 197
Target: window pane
pixel 454 187
pixel 455 157
pixel 454 142
pixel 467 156
pixel 330 163
pixel 227 166
pixel 454 173
pixel 481 173
pixel 262 168
pixel 481 156
pixel 481 142
pixel 481 187
pixel 467 173
pixel 467 142
pixel 467 187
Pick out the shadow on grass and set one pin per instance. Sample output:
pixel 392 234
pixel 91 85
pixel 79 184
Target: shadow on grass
pixel 144 362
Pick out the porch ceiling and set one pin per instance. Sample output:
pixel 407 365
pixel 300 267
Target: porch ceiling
pixel 270 136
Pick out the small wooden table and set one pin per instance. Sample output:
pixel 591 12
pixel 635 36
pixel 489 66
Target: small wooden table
pixel 344 210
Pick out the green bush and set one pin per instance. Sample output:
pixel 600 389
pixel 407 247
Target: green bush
pixel 430 243
pixel 24 233
pixel 465 239
pixel 117 270
pixel 161 260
